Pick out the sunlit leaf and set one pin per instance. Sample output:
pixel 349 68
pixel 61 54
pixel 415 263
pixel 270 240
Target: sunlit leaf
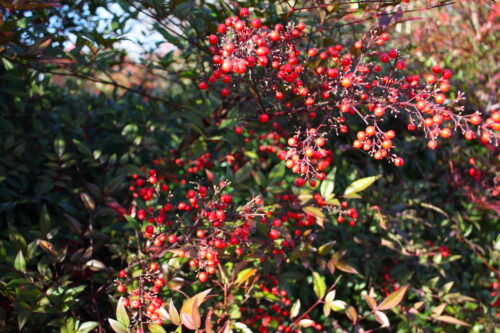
pixel 306 323
pixel 370 301
pixel 351 313
pixel 155 328
pixel 345 267
pixel 117 326
pixel 328 185
pixel 319 285
pixel 174 314
pixel 360 185
pixel 317 212
pixel 121 313
pixel 393 299
pixel 338 305
pixel 382 318
pixel 20 262
pixel 451 320
pixel 295 309
pixel 244 275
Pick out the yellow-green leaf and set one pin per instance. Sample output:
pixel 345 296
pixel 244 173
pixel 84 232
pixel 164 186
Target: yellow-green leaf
pixel 393 299
pixel 328 184
pixel 325 248
pixel 319 285
pixel 244 275
pixel 117 326
pixel 360 185
pixel 155 328
pixel 121 313
pixel 338 305
pixel 306 323
pixel 20 262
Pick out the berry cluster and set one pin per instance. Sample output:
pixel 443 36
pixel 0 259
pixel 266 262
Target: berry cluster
pixel 203 229
pixel 276 318
pixel 333 84
pixel 305 156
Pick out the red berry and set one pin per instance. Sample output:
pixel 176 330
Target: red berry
pixel 274 234
pixel 300 182
pixel 121 288
pixel 263 118
pixel 256 23
pixel 244 12
pixel 203 277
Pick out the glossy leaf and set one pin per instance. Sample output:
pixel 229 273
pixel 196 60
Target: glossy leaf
pixel 319 285
pixel 382 318
pixel 174 314
pixel 393 299
pixel 20 262
pixel 155 328
pixel 117 326
pixel 359 185
pixel 345 267
pixel 328 185
pixel 295 309
pixel 121 313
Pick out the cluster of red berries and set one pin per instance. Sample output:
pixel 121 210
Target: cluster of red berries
pixel 207 237
pixel 363 81
pixel 145 297
pixel 389 285
pixel 306 156
pixel 274 318
pixel 201 163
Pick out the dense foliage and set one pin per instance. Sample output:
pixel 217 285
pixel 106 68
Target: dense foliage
pixel 249 166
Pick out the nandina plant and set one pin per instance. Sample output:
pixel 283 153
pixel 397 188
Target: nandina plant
pixel 198 233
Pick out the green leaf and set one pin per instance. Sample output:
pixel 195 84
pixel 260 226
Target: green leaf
pixel 155 328
pixel 44 220
pixel 20 262
pixel 359 185
pixel 121 313
pixel 338 305
pixel 277 173
pixel 328 185
pixel 113 184
pixel 319 285
pixel 244 275
pixel 22 318
pixel 243 173
pixel 326 248
pixel 393 299
pixel 117 326
pixel 59 146
pixel 87 327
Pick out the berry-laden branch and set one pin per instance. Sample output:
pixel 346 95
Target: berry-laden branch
pixel 334 85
